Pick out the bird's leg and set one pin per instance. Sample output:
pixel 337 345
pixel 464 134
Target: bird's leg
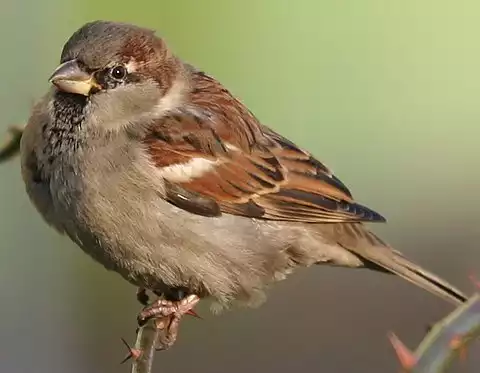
pixel 168 314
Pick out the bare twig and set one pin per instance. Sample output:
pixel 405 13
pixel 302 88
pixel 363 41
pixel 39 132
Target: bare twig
pixel 11 145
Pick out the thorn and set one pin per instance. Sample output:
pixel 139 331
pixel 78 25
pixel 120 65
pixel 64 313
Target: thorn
pixel 191 312
pixel 405 356
pixel 128 357
pixel 133 353
pixel 474 280
pixel 457 343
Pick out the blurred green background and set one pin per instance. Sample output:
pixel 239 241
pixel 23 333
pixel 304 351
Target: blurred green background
pixel 384 92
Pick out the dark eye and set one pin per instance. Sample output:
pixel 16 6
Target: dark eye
pixel 118 72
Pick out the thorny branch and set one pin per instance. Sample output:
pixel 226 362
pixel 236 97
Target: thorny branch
pixel 445 340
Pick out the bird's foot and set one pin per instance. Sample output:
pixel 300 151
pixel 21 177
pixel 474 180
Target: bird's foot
pixel 167 316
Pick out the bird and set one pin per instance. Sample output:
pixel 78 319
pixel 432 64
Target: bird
pixel 159 173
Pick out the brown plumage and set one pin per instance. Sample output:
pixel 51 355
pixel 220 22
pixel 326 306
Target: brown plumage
pixel 260 174
pixel 257 172
pixel 159 173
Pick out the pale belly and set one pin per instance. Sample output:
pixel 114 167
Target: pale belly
pixel 129 228
pixel 116 214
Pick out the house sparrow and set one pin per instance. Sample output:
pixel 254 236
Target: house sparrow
pixel 159 173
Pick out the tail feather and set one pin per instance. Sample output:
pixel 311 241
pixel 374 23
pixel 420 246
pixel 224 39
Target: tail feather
pixel 379 253
pixel 417 275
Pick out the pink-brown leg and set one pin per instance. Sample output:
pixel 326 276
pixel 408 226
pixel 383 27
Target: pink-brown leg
pixel 168 314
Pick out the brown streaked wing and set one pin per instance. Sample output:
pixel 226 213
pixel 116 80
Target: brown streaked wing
pixel 245 168
pixel 265 182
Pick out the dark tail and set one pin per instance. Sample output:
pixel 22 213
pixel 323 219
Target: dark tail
pixel 394 262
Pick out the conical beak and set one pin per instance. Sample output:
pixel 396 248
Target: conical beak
pixel 69 77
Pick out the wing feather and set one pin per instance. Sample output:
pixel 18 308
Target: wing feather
pixel 252 170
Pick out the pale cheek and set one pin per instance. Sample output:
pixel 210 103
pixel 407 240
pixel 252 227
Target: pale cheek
pixel 122 106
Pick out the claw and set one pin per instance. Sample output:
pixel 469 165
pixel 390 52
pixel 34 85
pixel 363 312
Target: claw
pixel 167 315
pixel 191 312
pixel 133 353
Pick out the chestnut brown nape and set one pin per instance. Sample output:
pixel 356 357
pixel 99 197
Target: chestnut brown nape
pixel 99 43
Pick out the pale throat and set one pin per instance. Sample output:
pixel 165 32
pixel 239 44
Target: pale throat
pixel 107 114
